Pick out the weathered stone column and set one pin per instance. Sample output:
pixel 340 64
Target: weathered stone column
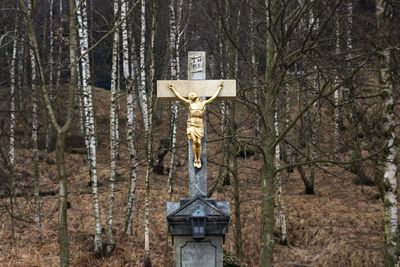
pixel 198 177
pixel 198 224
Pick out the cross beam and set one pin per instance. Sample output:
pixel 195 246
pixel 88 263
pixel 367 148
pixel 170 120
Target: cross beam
pixel 203 88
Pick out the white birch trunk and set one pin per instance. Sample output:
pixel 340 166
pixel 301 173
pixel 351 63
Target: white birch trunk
pixel 13 86
pixel 174 119
pixel 113 134
pixel 35 151
pixel 79 100
pixel 315 118
pixel 148 133
pixel 254 65
pixel 134 63
pixel 279 189
pixel 51 70
pixel 349 31
pixel 89 118
pixel 223 69
pixel 11 153
pixel 172 40
pixel 60 47
pixel 383 14
pixel 237 41
pixel 21 74
pixel 131 123
pixel 51 44
pixel 143 92
pixel 175 34
pixel 79 93
pixel 338 93
pixel 146 215
pixel 390 170
pixel 288 111
pixel 131 138
pixel 314 129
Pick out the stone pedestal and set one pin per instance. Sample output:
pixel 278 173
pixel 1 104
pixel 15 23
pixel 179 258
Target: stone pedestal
pixel 198 227
pixel 207 252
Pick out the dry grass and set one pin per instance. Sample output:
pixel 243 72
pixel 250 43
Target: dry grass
pixel 341 225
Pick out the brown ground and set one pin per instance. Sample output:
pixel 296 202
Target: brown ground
pixel 341 225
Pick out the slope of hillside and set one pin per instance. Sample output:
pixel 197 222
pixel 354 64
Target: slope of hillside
pixel 341 225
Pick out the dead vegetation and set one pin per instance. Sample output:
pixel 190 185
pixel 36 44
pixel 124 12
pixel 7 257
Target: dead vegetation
pixel 341 225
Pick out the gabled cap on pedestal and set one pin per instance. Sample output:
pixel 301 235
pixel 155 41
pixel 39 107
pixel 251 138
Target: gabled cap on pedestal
pixel 216 215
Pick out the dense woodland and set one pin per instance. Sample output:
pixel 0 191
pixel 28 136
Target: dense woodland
pixel 306 155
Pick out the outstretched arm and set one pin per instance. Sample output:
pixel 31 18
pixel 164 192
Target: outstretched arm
pixel 178 95
pixel 214 96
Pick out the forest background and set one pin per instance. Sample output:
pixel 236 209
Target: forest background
pixel 307 155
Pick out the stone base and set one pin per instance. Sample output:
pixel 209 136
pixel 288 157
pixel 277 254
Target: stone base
pixel 198 240
pixel 207 252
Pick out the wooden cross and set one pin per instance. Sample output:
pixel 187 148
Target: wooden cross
pixel 203 88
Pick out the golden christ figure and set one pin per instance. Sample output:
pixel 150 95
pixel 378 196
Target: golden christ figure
pixel 195 122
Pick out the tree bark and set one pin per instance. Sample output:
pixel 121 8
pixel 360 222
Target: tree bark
pixel 89 119
pixel 279 189
pixel 267 134
pixel 383 15
pixel 11 152
pixel 131 125
pixel 338 93
pixel 63 201
pixel 175 40
pixel 148 132
pixel 111 242
pixel 61 129
pixel 49 129
pixel 143 101
pixel 60 46
pixel 35 150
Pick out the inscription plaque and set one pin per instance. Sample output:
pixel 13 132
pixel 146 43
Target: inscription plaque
pixel 196 254
pixel 197 64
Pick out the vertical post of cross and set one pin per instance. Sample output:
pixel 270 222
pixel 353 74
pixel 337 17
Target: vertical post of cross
pixel 198 176
pixel 197 224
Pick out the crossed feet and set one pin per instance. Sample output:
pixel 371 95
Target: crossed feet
pixel 197 164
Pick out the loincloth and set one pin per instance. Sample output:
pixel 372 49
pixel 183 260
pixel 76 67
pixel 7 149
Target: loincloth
pixel 197 130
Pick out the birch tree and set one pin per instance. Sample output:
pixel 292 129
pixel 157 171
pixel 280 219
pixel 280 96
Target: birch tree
pixel 11 153
pixel 60 45
pixel 35 150
pixel 149 128
pixel 113 133
pixel 89 117
pixel 279 188
pixel 175 33
pixel 51 70
pixel 131 124
pixel 13 87
pixel 384 13
pixel 143 101
pixel 338 93
pixel 224 66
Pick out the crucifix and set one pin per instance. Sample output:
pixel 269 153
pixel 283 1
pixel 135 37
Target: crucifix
pixel 196 92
